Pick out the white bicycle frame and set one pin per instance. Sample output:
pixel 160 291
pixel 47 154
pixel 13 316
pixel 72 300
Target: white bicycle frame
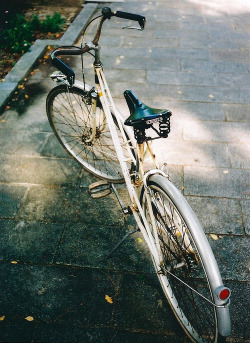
pixel 108 105
pixel 151 236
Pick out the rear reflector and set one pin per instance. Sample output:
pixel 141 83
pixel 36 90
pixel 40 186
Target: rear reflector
pixel 224 294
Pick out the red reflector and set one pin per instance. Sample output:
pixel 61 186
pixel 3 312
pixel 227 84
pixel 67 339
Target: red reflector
pixel 224 294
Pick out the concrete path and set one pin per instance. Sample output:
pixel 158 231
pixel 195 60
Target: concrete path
pixel 194 59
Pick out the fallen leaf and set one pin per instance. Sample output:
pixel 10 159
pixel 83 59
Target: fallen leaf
pixel 26 96
pixel 225 171
pixel 2 318
pixel 109 299
pixel 13 262
pixel 139 240
pixel 29 318
pixel 182 188
pixel 214 237
pixel 3 121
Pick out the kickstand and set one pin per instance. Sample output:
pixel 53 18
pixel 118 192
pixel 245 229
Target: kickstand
pixel 121 241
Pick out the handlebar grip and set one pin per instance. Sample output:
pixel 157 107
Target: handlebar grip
pixel 66 70
pixel 136 17
pixel 63 67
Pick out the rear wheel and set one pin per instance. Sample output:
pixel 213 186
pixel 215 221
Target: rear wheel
pixel 70 115
pixel 181 265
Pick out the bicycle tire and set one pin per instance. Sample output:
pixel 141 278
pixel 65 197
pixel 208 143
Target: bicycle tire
pixel 70 113
pixel 181 256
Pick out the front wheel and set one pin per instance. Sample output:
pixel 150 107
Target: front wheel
pixel 183 271
pixel 70 113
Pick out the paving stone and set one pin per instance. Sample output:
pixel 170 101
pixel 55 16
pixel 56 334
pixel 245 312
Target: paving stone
pixel 191 153
pixel 212 94
pixel 217 182
pixel 39 170
pixel 142 63
pixel 198 111
pixel 11 197
pixel 246 215
pixel 16 330
pixel 232 255
pixel 226 132
pixel 218 216
pixel 234 80
pixel 239 308
pixel 175 78
pixel 237 112
pixel 237 155
pixel 208 43
pixel 150 308
pixel 29 242
pixel 180 53
pixel 89 247
pixel 22 142
pixel 53 148
pixel 55 294
pixel 61 204
pixel 214 67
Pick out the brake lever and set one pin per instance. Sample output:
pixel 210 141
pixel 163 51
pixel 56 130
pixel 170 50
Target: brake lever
pixel 134 28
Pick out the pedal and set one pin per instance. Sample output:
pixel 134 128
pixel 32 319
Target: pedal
pixel 99 189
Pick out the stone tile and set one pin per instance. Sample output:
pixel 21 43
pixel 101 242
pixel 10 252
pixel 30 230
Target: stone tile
pixel 193 154
pixel 180 53
pixel 142 64
pixel 29 242
pixel 175 78
pixel 237 112
pixel 150 308
pixel 22 142
pixel 214 67
pixel 246 215
pixel 39 170
pixel 234 80
pixel 232 255
pixel 89 246
pixel 53 148
pixel 212 94
pixel 62 204
pixel 58 294
pixel 11 196
pixel 219 216
pixel 239 155
pixel 198 111
pixel 16 329
pixel 239 309
pixel 223 132
pixel 208 43
pixel 217 182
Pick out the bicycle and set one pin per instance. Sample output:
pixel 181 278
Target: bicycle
pixel 88 125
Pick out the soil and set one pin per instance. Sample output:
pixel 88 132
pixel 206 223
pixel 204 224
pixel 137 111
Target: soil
pixel 9 59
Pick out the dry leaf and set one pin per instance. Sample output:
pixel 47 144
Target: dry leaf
pixel 225 172
pixel 182 188
pixel 139 240
pixel 3 121
pixel 26 96
pixel 109 299
pixel 13 262
pixel 2 318
pixel 214 237
pixel 29 319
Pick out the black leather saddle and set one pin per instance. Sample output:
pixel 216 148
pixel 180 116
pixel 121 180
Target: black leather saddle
pixel 140 114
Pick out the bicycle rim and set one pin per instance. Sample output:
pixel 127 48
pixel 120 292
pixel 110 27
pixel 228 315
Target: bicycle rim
pixel 181 262
pixel 70 115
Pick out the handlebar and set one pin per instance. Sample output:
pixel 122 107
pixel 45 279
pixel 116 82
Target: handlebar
pixel 106 14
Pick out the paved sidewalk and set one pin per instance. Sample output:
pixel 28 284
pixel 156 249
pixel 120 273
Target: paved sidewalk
pixel 194 59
